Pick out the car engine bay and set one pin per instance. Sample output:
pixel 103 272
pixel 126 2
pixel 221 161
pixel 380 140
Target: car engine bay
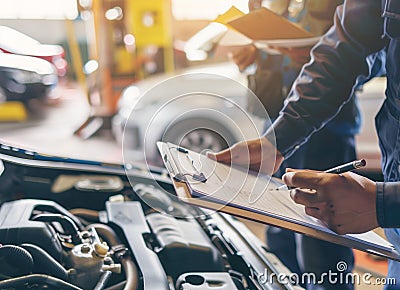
pixel 65 225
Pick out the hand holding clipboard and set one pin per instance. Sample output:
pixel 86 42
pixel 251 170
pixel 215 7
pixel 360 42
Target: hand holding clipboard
pixel 274 207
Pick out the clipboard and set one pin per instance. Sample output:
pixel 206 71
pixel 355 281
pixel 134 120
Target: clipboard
pixel 264 24
pixel 235 28
pixel 183 179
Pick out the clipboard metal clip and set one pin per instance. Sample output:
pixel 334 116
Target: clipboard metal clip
pixel 182 177
pixel 197 177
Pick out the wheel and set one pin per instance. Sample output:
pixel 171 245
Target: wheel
pixel 201 139
pixel 198 135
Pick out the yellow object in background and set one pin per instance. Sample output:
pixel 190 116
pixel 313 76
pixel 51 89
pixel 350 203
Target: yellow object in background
pixel 232 14
pixel 13 111
pixel 124 60
pixel 151 22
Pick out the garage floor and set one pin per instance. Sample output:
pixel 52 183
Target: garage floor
pixel 51 131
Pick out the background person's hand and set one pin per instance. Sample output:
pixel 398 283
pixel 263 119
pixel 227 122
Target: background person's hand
pixel 346 203
pixel 300 55
pixel 254 4
pixel 258 155
pixel 244 56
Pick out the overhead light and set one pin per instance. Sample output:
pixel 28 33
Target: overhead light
pixel 85 3
pixel 148 18
pixel 129 40
pixel 90 67
pixel 114 13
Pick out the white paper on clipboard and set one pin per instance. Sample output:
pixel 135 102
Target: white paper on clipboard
pixel 229 190
pixel 287 43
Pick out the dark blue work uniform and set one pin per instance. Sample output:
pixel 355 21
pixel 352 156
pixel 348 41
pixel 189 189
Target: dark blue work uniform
pixel 300 253
pixel 388 126
pixel 363 29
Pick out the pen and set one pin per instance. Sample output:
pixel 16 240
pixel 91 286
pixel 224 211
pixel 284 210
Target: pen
pixel 336 170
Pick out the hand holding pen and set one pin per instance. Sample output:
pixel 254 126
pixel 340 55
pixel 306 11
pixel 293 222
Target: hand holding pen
pixel 336 170
pixel 344 202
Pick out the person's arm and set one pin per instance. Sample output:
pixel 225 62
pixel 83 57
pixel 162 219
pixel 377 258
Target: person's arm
pixel 388 204
pixel 326 83
pixel 254 4
pixel 244 56
pixel 323 86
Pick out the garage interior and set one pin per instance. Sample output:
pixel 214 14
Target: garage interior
pixel 125 48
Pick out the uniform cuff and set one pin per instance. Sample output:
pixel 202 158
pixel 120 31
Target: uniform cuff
pixel 388 204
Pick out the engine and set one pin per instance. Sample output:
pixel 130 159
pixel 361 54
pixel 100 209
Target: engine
pixel 68 227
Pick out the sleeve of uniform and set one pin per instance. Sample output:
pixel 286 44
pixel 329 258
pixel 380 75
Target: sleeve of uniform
pixel 388 204
pixel 326 83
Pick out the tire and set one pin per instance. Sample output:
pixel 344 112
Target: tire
pixel 198 135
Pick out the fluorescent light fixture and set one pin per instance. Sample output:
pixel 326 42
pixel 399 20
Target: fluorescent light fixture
pixel 114 13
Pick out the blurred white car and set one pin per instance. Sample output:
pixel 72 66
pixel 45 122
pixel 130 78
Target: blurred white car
pixel 209 112
pixel 199 132
pixel 16 42
pixel 25 78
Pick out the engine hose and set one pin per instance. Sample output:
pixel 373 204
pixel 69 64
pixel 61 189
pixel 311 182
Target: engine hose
pixel 131 271
pixel 18 257
pixel 87 214
pixel 37 279
pixel 43 261
pixel 66 222
pixel 101 284
pixel 119 286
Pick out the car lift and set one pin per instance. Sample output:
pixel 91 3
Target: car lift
pixel 146 23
